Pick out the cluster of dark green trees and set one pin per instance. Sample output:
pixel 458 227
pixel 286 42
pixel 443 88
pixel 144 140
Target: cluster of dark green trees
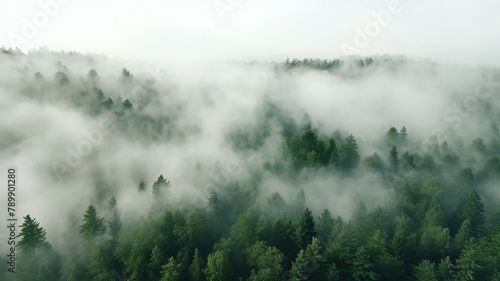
pixel 412 240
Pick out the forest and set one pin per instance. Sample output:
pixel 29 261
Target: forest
pixel 189 183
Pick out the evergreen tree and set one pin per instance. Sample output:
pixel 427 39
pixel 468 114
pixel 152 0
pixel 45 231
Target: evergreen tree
pixel 374 162
pixel 361 267
pixel 98 268
pixel 350 155
pixel 114 222
pixel 467 265
pixel 470 207
pixel 334 153
pixel 403 135
pixel 305 228
pixel 393 157
pixel 196 267
pixel 169 271
pixel 392 136
pixel 127 104
pixel 425 271
pixel 39 260
pixel 218 266
pixel 160 186
pixel 324 226
pixel 92 226
pixel 142 186
pixel 266 262
pixel 312 265
pixel 32 235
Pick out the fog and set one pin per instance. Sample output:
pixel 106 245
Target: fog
pixel 68 157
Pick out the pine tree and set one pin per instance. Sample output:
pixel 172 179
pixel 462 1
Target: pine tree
pixel 467 265
pixel 218 266
pixel 39 259
pixel 142 186
pixel 350 155
pixel 311 264
pixel 305 228
pixel 114 222
pixel 325 226
pixel 101 97
pixel 334 153
pixel 470 207
pixel 196 267
pixel 127 104
pixel 32 235
pixel 393 157
pixel 403 135
pixel 92 226
pixel 375 162
pixel 170 272
pixel 160 186
pixel 266 262
pixel 425 271
pixel 361 266
pixel 392 136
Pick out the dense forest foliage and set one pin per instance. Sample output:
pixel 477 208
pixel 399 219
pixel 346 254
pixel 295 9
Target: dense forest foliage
pixel 438 217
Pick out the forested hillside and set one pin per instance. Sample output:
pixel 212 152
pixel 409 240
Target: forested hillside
pixel 299 170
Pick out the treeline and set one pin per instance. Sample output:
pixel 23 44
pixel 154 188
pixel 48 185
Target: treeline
pixel 238 237
pixel 413 238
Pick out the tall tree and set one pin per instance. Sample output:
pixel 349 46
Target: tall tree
pixel 350 155
pixel 39 259
pixel 324 226
pixel 305 228
pixel 334 153
pixel 425 271
pixel 392 136
pixel 393 158
pixel 470 207
pixel 374 162
pixel 92 226
pixel 266 262
pixel 403 135
pixel 311 264
pixel 218 266
pixel 196 267
pixel 160 186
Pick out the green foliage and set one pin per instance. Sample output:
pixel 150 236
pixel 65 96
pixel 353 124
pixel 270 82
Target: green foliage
pixel 32 235
pixel 325 225
pixel 467 264
pixel 160 186
pixel 266 262
pixel 305 228
pixel 392 136
pixel 350 155
pixel 374 162
pixel 218 265
pixel 92 226
pixel 470 207
pixel 393 157
pixel 61 78
pixel 196 267
pixel 311 264
pixel 169 271
pixel 142 186
pixel 362 267
pixel 425 271
pixel 127 104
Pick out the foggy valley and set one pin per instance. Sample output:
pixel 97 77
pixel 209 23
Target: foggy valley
pixel 356 168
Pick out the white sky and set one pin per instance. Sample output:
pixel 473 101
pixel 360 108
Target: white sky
pixel 457 31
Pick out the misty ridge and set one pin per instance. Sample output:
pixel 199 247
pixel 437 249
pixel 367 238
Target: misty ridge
pixel 353 168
